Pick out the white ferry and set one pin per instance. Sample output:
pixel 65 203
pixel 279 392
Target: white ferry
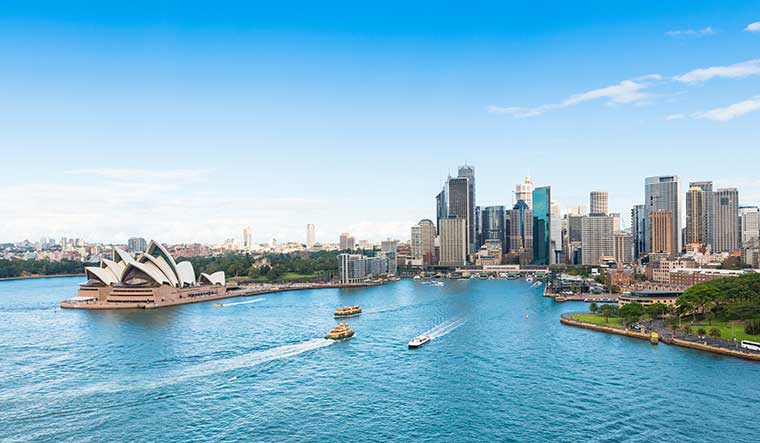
pixel 418 341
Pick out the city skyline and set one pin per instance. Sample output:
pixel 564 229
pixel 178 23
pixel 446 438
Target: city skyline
pixel 242 126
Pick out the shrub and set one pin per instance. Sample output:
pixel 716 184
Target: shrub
pixel 701 331
pixel 715 333
pixel 752 327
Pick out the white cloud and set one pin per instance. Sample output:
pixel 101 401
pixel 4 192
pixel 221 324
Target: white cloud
pixel 675 117
pixel 737 70
pixel 625 92
pixel 753 27
pixel 730 112
pixel 691 32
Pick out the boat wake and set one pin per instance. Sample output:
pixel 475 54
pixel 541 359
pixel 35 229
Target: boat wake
pixel 224 305
pixel 382 309
pixel 444 328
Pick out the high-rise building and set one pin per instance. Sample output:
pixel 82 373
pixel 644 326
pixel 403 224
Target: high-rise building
pixel 574 227
pixel 638 231
pixel 346 242
pixel 468 172
pixel 556 233
pixel 749 223
pixel 521 231
pixel 726 220
pixel 542 250
pixel 247 238
pixel 696 216
pixel 598 203
pixel 663 241
pixel 494 224
pixel 524 192
pixel 453 240
pixel 663 193
pixel 355 268
pixel 623 247
pixel 617 221
pixel 423 242
pixel 137 244
pixel 389 246
pixel 707 187
pixel 311 235
pixel 596 238
pixel 441 209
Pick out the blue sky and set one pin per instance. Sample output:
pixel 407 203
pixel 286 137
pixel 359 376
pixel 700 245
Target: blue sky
pixel 186 121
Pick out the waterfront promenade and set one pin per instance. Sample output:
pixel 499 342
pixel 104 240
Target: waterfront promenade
pixel 669 337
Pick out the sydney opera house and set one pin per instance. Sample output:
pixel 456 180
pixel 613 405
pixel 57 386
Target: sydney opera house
pixel 150 280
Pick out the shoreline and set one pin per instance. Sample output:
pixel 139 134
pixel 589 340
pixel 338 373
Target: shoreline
pixel 32 277
pixel 670 341
pixel 241 292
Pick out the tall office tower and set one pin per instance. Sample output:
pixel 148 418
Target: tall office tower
pixel 478 226
pixel 663 193
pixel 623 247
pixel 441 209
pixel 346 241
pixel 423 242
pixel 638 231
pixel 598 203
pixel 556 233
pixel 311 235
pixel 596 239
pixel 749 223
pixel 468 172
pixel 453 240
pixel 577 210
pixel 696 216
pixel 389 246
pixel 707 187
pixel 726 220
pixel 524 192
pixel 494 225
pixel 542 249
pixel 247 238
pixel 137 244
pixel 574 228
pixel 663 241
pixel 521 231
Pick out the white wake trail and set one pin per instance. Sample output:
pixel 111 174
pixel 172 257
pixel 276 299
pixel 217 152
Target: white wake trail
pixel 224 305
pixel 444 328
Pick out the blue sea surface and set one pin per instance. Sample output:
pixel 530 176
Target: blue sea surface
pixel 500 367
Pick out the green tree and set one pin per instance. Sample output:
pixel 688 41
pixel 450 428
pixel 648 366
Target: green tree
pixel 593 308
pixel 715 333
pixel 607 311
pixel 632 312
pixel 701 332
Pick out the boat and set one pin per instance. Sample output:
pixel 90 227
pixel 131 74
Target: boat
pixel 340 332
pixel 347 311
pixel 418 341
pixel 513 276
pixel 654 338
pixel 437 283
pixel 528 278
pixel 416 277
pixel 217 305
pixel 537 283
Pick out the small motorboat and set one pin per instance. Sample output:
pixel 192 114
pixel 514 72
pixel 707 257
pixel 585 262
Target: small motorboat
pixel 418 341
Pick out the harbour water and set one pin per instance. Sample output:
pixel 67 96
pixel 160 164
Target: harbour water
pixel 500 367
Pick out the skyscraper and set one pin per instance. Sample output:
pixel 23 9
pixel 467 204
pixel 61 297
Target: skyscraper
pixel 247 238
pixel 441 208
pixel 346 241
pixel 623 247
pixel 453 240
pixel 468 172
pixel 707 187
pixel 663 241
pixel 494 225
pixel 524 192
pixel 311 235
pixel 521 231
pixel 663 193
pixel 596 238
pixel 749 223
pixel 598 202
pixel 638 231
pixel 423 242
pixel 696 216
pixel 726 220
pixel 542 251
pixel 556 233
pixel 137 244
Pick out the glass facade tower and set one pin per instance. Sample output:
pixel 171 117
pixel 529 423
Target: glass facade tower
pixel 542 226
